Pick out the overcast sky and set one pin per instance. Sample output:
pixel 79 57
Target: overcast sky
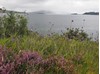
pixel 56 6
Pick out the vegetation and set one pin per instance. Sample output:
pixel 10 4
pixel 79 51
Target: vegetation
pixel 70 53
pixel 13 24
pixel 76 34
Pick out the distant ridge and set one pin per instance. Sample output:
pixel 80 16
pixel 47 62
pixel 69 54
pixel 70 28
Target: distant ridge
pixel 91 13
pixel 2 10
pixel 7 11
pixel 42 12
pixel 74 14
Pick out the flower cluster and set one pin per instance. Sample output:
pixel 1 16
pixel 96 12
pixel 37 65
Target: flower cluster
pixel 58 64
pixel 33 63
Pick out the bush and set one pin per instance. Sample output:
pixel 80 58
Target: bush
pixel 76 34
pixel 13 24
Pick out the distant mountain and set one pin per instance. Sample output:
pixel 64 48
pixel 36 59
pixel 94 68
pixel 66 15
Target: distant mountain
pixel 42 12
pixel 74 14
pixel 7 11
pixel 91 13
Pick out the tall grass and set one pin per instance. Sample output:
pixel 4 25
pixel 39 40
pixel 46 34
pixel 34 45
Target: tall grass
pixel 83 54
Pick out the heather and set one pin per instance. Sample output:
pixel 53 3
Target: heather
pixel 48 55
pixel 26 52
pixel 32 62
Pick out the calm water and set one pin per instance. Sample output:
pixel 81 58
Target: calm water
pixel 45 24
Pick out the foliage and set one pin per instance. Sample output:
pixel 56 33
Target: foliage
pixel 76 34
pixel 13 24
pixel 32 62
pixel 80 55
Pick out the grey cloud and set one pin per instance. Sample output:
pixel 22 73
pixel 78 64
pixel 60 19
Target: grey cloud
pixel 31 1
pixel 57 6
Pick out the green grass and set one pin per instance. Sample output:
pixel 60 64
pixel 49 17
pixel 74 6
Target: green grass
pixel 84 54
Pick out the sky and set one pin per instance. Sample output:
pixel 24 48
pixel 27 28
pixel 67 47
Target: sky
pixel 55 6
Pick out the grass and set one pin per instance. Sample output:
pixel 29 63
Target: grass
pixel 83 54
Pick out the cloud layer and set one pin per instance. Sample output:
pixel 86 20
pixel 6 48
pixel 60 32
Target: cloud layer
pixel 56 6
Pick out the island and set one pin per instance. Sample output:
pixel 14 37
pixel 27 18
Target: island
pixel 91 13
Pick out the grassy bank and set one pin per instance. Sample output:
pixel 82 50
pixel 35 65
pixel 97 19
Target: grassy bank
pixel 84 55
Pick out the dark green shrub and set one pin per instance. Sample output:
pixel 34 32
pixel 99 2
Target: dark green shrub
pixel 13 24
pixel 1 28
pixel 76 34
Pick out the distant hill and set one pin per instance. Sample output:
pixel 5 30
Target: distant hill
pixel 91 13
pixel 7 11
pixel 74 14
pixel 42 12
